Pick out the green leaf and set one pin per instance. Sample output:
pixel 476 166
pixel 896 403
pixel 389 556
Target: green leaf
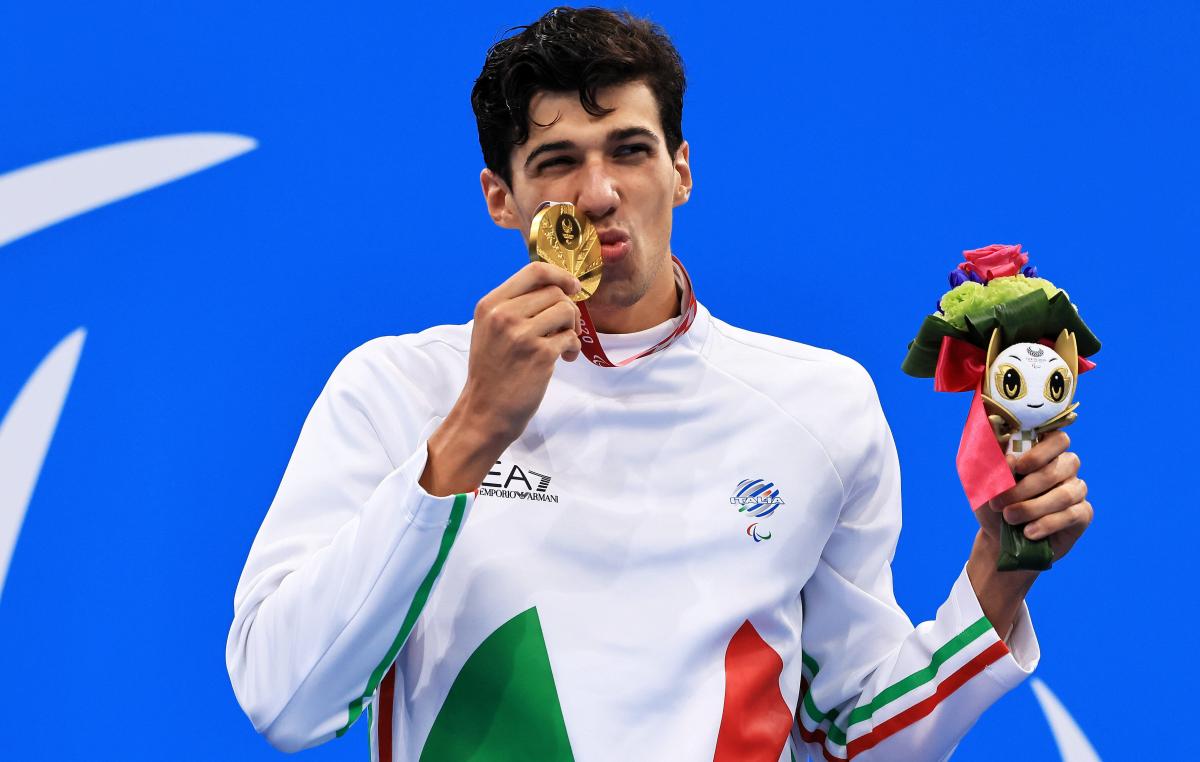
pixel 1028 317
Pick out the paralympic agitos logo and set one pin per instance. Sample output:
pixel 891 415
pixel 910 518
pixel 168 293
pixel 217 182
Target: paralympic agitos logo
pixel 515 482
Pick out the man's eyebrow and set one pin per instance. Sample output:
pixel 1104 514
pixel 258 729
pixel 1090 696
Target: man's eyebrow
pixel 558 145
pixel 626 133
pixel 616 136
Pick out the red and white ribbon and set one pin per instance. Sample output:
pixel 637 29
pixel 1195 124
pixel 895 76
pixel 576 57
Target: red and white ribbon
pixel 590 338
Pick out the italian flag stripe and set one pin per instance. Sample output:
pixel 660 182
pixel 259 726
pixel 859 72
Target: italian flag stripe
pixel 414 611
pixel 892 693
pixel 917 711
pixel 809 662
pixel 921 676
pixel 387 700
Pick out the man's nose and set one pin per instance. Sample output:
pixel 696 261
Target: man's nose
pixel 598 195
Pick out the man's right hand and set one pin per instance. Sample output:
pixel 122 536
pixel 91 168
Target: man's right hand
pixel 521 329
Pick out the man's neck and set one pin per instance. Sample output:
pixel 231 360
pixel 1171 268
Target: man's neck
pixel 659 304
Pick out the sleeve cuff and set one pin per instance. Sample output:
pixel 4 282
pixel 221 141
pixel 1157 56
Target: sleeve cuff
pixel 1023 651
pixel 427 510
pixel 1022 642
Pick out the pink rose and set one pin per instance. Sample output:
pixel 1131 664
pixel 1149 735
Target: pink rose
pixel 995 261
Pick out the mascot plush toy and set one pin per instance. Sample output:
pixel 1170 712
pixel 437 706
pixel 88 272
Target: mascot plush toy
pixel 1019 343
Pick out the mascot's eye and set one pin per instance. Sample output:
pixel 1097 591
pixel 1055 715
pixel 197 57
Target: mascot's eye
pixel 1056 386
pixel 1009 382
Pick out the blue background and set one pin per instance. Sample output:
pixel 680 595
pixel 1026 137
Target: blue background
pixel 886 138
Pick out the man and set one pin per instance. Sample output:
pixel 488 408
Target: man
pixel 499 552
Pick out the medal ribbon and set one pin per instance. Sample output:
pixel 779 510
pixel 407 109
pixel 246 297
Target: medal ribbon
pixel 982 468
pixel 590 338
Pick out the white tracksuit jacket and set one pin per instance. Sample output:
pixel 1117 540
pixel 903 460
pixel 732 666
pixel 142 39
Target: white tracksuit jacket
pixel 687 558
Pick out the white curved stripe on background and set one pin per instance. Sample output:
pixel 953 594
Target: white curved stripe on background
pixel 1072 743
pixel 39 195
pixel 36 197
pixel 25 435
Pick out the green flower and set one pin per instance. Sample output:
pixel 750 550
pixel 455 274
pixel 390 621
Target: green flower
pixel 975 299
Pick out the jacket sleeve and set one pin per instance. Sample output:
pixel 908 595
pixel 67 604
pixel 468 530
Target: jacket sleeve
pixel 874 687
pixel 344 561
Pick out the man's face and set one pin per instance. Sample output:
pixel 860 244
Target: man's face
pixel 615 169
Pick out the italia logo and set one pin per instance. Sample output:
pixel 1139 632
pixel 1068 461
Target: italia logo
pixel 756 497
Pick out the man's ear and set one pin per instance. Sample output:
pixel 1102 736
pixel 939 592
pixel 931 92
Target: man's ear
pixel 499 198
pixel 683 172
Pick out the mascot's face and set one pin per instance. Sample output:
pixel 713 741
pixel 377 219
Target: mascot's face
pixel 1032 382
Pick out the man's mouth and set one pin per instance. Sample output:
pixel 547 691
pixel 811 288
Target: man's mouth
pixel 614 245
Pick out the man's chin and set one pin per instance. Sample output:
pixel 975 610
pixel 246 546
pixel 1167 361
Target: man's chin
pixel 615 295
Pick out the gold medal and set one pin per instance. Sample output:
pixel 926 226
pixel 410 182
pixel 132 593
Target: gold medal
pixel 567 240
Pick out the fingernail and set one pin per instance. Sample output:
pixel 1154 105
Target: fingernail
pixel 578 285
pixel 1033 533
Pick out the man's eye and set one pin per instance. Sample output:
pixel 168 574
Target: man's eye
pixel 555 162
pixel 632 149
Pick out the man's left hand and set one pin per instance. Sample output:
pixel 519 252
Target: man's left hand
pixel 1053 500
pixel 1050 499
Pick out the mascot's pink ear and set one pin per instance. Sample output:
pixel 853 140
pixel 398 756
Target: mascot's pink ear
pixel 992 353
pixel 1067 350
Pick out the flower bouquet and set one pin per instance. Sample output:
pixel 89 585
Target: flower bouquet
pixel 1019 343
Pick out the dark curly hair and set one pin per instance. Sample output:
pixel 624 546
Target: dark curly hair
pixel 572 50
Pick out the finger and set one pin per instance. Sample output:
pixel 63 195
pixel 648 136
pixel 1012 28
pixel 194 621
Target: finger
pixel 530 304
pixel 1050 447
pixel 1004 498
pixel 559 316
pixel 1062 468
pixel 535 275
pixel 1060 498
pixel 1077 518
pixel 566 344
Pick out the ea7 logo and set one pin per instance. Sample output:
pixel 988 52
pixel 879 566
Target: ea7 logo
pixel 516 482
